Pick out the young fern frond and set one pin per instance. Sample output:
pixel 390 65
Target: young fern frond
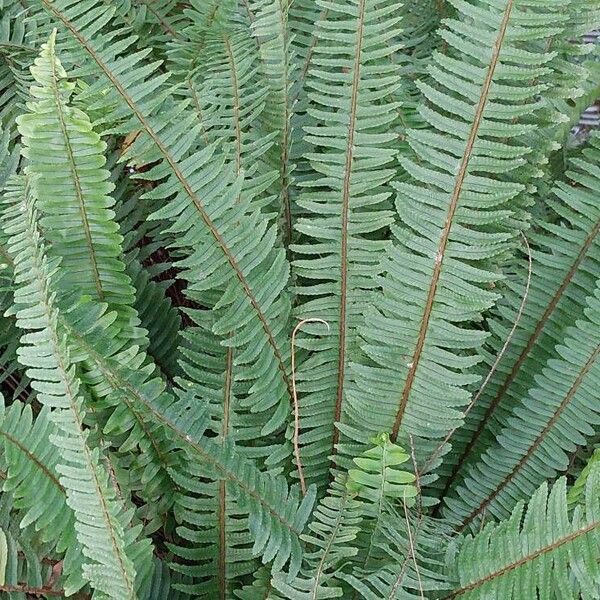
pixel 103 529
pixel 410 565
pixel 353 511
pixel 65 164
pixel 332 533
pixel 458 212
pixel 551 551
pixel 351 83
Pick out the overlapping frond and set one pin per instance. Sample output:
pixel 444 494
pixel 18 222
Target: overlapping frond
pixel 410 564
pixel 458 213
pixel 103 528
pixel 233 264
pixel 543 552
pixel 556 416
pixel 350 517
pixel 276 513
pixel 231 97
pixel 16 54
pixel 576 493
pixel 565 266
pixel 351 83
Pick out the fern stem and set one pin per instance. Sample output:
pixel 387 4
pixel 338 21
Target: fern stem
pixel 345 219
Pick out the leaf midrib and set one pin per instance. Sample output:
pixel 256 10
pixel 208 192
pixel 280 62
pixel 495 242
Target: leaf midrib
pixel 344 226
pixel 456 193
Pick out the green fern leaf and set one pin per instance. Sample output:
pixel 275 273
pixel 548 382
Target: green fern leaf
pixel 247 273
pixel 550 552
pixel 101 526
pixel 65 162
pixel 458 212
pixel 351 83
pixel 33 480
pixel 276 515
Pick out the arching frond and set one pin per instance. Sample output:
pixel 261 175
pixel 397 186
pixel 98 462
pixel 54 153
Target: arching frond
pixel 276 514
pixel 270 26
pixel 103 529
pixel 230 246
pixel 33 480
pixel 551 551
pixel 333 530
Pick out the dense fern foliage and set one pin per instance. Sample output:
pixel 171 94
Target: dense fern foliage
pixel 300 300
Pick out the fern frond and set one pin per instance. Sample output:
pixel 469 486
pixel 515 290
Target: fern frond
pixel 16 54
pixel 410 562
pixel 65 162
pixel 332 531
pixel 567 262
pixel 458 212
pixel 232 97
pixel 540 553
pixel 557 415
pixel 576 493
pixel 351 84
pixel 232 248
pixel 271 29
pixel 103 529
pixel 33 480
